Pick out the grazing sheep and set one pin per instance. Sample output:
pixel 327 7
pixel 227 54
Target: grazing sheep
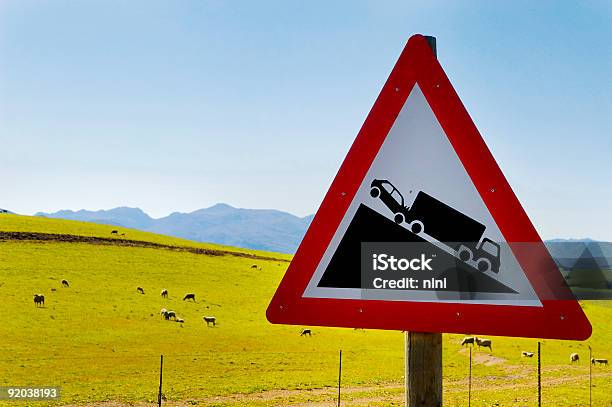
pixel 467 340
pixel 574 358
pixel 114 232
pixel 306 332
pixel 210 320
pixel 164 293
pixel 485 343
pixel 181 320
pixel 189 296
pixel 600 361
pixel 65 283
pixel 527 354
pixel 169 314
pixel 39 300
pixel 140 290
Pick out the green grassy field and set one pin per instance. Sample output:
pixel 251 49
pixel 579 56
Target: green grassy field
pixel 100 340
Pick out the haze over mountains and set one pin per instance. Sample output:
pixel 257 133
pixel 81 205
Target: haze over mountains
pixel 261 229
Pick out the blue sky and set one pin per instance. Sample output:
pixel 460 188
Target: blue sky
pixel 177 105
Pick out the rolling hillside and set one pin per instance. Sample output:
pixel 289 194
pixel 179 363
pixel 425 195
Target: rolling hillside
pixel 260 229
pixel 100 340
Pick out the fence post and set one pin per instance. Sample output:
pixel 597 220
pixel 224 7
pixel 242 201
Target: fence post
pixel 590 377
pixel 339 376
pixel 539 377
pixel 161 370
pixel 470 380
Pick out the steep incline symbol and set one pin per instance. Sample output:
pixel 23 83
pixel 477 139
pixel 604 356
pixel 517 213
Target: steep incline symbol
pixel 370 226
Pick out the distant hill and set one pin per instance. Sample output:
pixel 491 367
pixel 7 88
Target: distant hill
pixel 585 263
pixel 133 218
pixel 260 229
pixel 273 230
pixel 580 253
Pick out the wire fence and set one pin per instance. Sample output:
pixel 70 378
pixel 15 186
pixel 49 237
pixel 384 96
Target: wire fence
pixel 229 377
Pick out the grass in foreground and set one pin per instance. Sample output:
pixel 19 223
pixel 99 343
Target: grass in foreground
pixel 101 340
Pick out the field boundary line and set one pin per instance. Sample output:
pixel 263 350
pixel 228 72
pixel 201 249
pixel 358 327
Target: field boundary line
pixel 107 241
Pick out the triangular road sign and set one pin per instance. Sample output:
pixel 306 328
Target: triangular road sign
pixel 420 184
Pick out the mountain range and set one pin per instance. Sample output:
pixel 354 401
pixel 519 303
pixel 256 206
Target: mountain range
pixel 273 230
pixel 260 229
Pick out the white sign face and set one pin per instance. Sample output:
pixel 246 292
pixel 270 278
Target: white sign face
pixel 418 188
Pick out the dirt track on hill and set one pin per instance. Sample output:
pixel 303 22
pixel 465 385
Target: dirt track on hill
pixel 118 241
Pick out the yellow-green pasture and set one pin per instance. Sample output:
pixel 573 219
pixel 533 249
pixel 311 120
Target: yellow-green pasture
pixel 100 340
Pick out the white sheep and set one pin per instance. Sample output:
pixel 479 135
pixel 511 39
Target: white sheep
pixel 485 343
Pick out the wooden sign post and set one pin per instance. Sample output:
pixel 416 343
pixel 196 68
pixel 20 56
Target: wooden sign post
pixel 423 353
pixel 423 369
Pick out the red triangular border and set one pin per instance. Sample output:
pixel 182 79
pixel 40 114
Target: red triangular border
pixel 561 319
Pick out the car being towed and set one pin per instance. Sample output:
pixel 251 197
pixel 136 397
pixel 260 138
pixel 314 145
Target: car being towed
pixel 391 197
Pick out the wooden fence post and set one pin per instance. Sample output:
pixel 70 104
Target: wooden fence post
pixel 161 370
pixel 539 377
pixel 590 377
pixel 470 379
pixel 339 376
